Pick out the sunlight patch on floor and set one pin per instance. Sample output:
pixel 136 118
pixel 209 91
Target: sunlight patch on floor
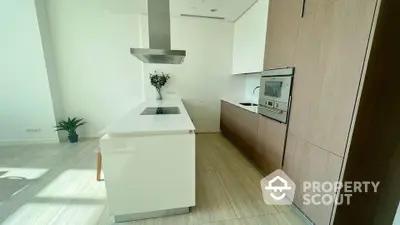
pixel 32 213
pixel 22 173
pixel 69 183
pixel 71 212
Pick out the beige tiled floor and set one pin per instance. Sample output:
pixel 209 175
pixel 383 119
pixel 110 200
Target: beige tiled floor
pixel 61 188
pixel 227 191
pixel 50 184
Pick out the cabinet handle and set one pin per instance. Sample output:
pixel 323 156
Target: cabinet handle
pixel 303 6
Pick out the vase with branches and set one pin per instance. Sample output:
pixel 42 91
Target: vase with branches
pixel 158 80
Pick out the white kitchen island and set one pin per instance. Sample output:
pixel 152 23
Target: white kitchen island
pixel 149 162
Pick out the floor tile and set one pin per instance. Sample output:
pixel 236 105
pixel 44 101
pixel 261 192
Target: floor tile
pixel 245 196
pixel 226 222
pixel 276 219
pixel 212 203
pixel 184 219
pixel 202 163
pixel 55 184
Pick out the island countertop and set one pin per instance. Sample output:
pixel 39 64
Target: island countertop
pixel 136 124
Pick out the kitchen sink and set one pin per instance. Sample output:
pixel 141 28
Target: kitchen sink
pixel 248 104
pixel 160 111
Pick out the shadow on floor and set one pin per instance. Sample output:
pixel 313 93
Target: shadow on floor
pixel 39 172
pixel 11 186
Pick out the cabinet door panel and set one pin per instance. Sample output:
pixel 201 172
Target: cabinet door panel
pixel 248 125
pixel 241 127
pixel 307 80
pixel 249 39
pixel 311 6
pixel 227 116
pixel 346 29
pixel 306 162
pixel 271 140
pixel 330 52
pixel 282 29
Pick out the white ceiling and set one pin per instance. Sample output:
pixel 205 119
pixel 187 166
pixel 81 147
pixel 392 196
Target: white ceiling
pixel 228 9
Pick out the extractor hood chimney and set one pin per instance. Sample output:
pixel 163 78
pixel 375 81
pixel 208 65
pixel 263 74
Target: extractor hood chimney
pixel 159 37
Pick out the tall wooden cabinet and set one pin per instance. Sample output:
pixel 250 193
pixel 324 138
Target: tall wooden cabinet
pixel 283 19
pixel 311 6
pixel 331 49
pixel 374 148
pixel 329 52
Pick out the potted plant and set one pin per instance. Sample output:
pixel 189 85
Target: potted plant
pixel 158 81
pixel 70 126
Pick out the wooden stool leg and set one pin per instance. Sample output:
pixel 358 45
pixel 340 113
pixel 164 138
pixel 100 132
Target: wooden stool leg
pixel 99 166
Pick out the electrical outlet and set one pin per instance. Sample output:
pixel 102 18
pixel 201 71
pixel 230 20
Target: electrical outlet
pixel 32 130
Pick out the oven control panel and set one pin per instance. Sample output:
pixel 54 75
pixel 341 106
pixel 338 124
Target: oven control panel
pixel 282 106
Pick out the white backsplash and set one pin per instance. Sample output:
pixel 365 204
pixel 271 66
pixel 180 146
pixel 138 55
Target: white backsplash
pixel 252 81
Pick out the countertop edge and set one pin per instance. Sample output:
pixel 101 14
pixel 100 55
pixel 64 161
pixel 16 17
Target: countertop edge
pixel 188 126
pixel 147 133
pixel 253 109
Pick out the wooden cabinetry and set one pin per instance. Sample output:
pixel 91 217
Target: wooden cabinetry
pixel 282 28
pixel 329 56
pixel 259 138
pixel 331 49
pixel 240 126
pixel 311 6
pixel 270 144
pixel 307 162
pixel 346 29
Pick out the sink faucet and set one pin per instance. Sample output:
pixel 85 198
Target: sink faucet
pixel 255 89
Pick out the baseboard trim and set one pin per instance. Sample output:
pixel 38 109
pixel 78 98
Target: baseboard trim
pixel 29 141
pixel 147 215
pixel 208 132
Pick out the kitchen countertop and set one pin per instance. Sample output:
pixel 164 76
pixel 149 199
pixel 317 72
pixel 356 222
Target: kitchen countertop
pixel 134 123
pixel 253 109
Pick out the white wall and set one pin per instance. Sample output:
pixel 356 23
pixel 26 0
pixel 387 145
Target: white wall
pixel 99 79
pixel 397 217
pixel 91 72
pixel 252 81
pixel 50 60
pixel 205 76
pixel 25 98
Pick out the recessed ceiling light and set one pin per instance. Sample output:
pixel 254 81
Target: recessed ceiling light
pixel 213 10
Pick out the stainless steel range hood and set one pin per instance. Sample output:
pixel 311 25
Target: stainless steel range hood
pixel 159 37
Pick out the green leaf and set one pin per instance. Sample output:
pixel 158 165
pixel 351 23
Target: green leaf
pixel 70 125
pixel 80 124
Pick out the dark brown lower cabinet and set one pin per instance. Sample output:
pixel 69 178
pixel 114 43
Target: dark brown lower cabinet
pixel 259 138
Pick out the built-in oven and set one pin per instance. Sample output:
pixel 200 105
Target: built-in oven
pixel 275 93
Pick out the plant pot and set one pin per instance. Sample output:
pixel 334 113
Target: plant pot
pixel 73 137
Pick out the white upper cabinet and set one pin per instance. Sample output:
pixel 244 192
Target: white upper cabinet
pixel 249 39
